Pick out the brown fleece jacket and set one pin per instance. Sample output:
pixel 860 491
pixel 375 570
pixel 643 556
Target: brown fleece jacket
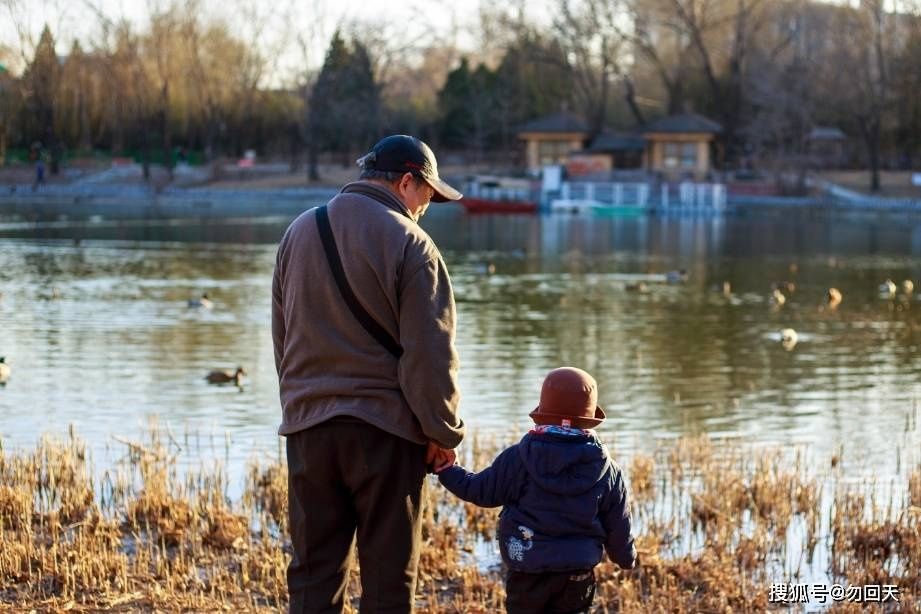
pixel 328 364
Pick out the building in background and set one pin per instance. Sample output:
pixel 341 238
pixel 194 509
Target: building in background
pixel 827 147
pixel 674 147
pixel 550 139
pixel 680 146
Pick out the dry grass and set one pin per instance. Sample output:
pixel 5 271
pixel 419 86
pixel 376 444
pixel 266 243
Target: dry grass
pixel 714 531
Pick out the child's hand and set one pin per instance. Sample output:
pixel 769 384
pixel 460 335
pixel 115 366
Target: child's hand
pixel 444 459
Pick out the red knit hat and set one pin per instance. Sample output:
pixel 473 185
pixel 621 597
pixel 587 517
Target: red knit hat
pixel 569 397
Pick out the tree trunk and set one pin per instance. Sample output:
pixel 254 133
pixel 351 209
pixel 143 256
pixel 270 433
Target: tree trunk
pixel 118 133
pixel 166 141
pixel 675 91
pixel 874 163
pixel 630 96
pixel 602 110
pixel 294 147
pixel 871 132
pixel 83 141
pixel 210 130
pixel 145 152
pixel 313 152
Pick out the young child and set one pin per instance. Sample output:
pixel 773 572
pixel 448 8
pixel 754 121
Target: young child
pixel 563 498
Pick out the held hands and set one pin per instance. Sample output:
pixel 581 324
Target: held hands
pixel 437 459
pixel 444 459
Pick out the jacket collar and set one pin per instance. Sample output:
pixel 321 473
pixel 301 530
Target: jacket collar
pixel 378 193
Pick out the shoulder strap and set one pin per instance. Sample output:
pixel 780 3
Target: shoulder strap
pixel 360 313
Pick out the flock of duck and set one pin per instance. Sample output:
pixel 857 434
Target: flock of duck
pixel 778 296
pixel 216 376
pixel 833 298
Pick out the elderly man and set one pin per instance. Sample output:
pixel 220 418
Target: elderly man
pixel 363 323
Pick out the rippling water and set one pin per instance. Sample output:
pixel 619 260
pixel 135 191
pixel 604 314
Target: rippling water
pixel 99 335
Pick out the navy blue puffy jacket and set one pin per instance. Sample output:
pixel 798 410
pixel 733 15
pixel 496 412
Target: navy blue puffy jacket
pixel 564 501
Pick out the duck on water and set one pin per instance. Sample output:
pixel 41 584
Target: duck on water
pixel 226 376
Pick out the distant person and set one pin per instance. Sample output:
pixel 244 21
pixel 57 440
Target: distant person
pixel 39 173
pixel 363 324
pixel 564 500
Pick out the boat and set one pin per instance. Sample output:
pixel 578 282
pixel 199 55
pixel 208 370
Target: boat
pixel 491 194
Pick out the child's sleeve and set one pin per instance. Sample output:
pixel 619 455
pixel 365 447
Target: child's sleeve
pixel 496 485
pixel 615 518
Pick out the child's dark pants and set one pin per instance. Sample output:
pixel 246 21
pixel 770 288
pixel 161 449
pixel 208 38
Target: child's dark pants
pixel 568 592
pixel 348 479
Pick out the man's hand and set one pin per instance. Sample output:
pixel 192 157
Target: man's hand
pixel 430 453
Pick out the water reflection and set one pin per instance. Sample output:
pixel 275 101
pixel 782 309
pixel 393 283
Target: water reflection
pixel 118 343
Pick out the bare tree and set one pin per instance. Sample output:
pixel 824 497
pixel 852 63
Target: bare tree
pixel 676 39
pixel 857 76
pixel 660 49
pixel 595 47
pixel 779 87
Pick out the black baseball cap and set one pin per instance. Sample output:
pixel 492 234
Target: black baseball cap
pixel 400 153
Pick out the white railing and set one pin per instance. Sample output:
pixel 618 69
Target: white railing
pixel 704 197
pixel 610 194
pixel 694 196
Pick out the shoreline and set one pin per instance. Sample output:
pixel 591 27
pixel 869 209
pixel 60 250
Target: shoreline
pixel 138 202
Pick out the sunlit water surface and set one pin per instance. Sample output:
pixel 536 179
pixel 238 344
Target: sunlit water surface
pixel 99 334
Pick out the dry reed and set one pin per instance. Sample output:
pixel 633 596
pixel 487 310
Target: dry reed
pixel 716 525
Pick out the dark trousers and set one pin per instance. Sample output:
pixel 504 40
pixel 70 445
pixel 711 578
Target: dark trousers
pixel 568 592
pixel 348 479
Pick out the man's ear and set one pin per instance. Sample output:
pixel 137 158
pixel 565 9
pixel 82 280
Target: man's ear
pixel 406 180
pixel 398 186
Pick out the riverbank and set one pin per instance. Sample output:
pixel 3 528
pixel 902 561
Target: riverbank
pixel 131 202
pixel 140 202
pixel 121 193
pixel 719 527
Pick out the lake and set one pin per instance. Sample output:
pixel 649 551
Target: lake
pixel 99 335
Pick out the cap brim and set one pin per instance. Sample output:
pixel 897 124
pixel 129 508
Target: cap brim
pixel 443 192
pixel 581 422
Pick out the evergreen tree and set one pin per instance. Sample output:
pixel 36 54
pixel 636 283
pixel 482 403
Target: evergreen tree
pixel 469 107
pixel 43 76
pixel 533 79
pixel 483 109
pixel 457 123
pixel 480 108
pixel 9 104
pixel 363 94
pixel 345 102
